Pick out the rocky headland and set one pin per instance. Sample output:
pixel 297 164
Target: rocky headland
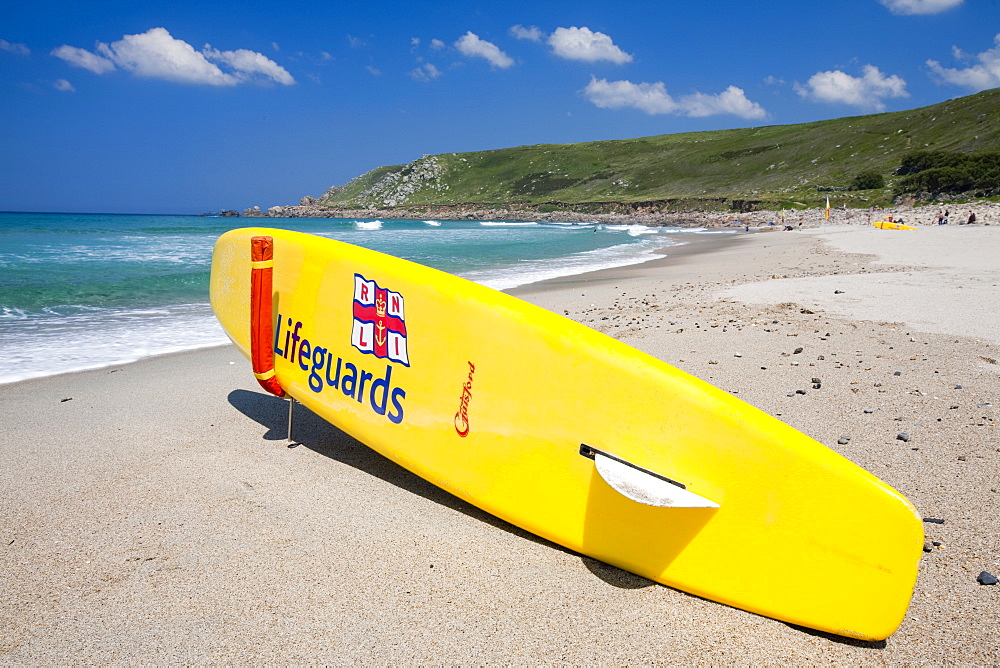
pixel 986 213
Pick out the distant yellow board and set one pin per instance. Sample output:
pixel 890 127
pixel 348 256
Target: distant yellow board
pixel 887 225
pixel 578 438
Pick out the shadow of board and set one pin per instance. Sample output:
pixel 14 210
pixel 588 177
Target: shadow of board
pixel 315 433
pixel 320 436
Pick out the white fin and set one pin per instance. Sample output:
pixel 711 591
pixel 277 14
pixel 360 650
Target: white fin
pixel 643 487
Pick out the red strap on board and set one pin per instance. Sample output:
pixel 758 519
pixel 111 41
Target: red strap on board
pixel 261 314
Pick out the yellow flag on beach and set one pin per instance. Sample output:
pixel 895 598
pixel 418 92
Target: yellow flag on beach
pixel 827 214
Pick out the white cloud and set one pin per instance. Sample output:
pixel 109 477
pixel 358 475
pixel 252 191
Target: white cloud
pixel 249 64
pixel 978 77
pixel 649 97
pixel 470 45
pixel 14 47
pixel 730 101
pixel 533 33
pixel 155 54
pixel 374 71
pixel 653 98
pixel 63 85
pixel 583 44
pixel 437 44
pixel 425 73
pixel 905 7
pixel 868 91
pixel 85 59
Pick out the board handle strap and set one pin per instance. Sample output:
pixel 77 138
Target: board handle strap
pixel 261 314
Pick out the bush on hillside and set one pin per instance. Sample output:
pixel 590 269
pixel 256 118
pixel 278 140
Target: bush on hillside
pixel 940 172
pixel 868 180
pixel 940 180
pixel 919 161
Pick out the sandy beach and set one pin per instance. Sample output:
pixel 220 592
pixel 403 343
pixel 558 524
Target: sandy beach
pixel 153 512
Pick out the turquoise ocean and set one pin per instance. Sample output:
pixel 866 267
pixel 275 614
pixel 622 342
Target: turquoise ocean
pixel 83 291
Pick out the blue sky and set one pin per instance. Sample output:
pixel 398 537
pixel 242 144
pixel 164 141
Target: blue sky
pixel 186 107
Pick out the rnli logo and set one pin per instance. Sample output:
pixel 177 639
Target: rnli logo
pixel 379 321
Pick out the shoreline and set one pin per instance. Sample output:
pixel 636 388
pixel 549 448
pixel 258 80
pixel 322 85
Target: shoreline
pixel 691 238
pixel 691 247
pixel 154 512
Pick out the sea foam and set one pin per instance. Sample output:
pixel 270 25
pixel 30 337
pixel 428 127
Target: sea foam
pixel 48 344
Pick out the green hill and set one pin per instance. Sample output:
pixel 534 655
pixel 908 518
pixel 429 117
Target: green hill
pixel 764 167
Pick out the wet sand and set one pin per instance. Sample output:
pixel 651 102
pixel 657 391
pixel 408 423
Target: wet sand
pixel 154 513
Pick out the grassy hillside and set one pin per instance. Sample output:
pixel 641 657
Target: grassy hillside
pixel 769 167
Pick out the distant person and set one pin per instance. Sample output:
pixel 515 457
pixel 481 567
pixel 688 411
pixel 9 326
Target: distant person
pixel 940 217
pixel 972 217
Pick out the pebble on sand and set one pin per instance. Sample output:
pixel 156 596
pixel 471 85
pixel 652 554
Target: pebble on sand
pixel 986 578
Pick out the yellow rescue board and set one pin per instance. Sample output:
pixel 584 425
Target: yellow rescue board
pixel 887 225
pixel 578 438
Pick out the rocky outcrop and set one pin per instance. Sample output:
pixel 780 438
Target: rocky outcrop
pixel 986 213
pixel 394 187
